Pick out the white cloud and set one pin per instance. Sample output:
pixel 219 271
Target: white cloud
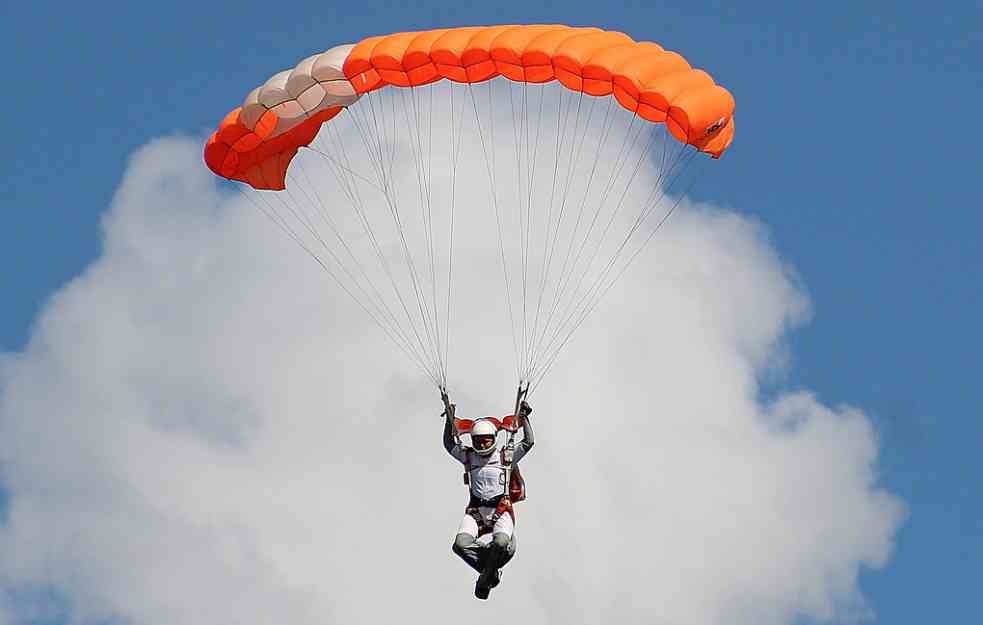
pixel 203 428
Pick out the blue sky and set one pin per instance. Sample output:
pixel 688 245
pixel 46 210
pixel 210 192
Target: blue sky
pixel 857 146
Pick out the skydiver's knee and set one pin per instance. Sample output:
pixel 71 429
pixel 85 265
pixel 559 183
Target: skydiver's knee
pixel 501 540
pixel 461 542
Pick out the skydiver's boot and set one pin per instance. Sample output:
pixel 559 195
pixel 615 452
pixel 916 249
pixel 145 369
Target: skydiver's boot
pixel 499 553
pixel 483 587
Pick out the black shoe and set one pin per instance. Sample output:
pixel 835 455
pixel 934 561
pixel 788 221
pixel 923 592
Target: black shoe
pixel 480 591
pixel 486 581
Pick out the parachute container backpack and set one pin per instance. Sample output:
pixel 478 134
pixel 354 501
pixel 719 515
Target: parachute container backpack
pixel 583 139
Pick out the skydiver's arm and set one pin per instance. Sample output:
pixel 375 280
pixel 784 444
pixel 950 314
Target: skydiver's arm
pixel 450 441
pixel 528 437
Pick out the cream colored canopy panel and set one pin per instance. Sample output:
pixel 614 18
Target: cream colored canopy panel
pixel 317 83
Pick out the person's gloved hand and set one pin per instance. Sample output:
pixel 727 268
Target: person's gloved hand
pixel 449 408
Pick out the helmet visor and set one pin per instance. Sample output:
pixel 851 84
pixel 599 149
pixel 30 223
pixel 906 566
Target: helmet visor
pixel 483 441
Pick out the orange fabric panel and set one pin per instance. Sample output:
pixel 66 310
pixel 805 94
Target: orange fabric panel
pixel 539 51
pixel 539 73
pixel 628 78
pixel 273 171
pixel 247 142
pixel 660 66
pixel 449 47
pixel 226 161
pixel 638 70
pixel 515 73
pixel 477 50
pixel 254 178
pixel 405 61
pixel 452 72
pixel 481 71
pixel 359 59
pixel 420 69
pixel 508 47
pixel 677 129
pixel 390 59
pixel 661 92
pixel 215 153
pixel 281 163
pixel 598 72
pixel 358 66
pixel 230 165
pixel 700 111
pixel 418 52
pixel 395 77
pixel 650 113
pixel 594 87
pixel 568 79
pixel 476 57
pixel 230 129
pixel 447 51
pixel 367 81
pixel 576 82
pixel 389 53
pixel 506 50
pixel 649 65
pixel 575 52
pixel 627 99
pixel 716 144
pixel 266 124
pixel 603 62
pixel 229 133
pixel 423 75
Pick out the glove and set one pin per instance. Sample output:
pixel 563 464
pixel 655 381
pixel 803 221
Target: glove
pixel 525 409
pixel 449 408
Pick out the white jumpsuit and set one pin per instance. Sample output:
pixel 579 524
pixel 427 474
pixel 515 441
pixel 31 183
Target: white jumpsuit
pixel 487 479
pixel 486 475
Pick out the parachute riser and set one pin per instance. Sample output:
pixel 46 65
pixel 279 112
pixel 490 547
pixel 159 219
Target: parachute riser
pixel 449 411
pixel 510 444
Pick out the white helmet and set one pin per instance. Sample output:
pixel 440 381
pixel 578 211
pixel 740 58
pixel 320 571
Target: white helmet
pixel 483 427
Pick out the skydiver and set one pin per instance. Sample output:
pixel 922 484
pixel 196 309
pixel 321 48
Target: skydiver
pixel 489 508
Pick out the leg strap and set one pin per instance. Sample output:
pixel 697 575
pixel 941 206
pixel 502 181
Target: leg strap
pixel 485 526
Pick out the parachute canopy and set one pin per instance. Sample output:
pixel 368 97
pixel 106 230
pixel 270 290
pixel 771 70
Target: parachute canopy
pixel 256 142
pixel 580 135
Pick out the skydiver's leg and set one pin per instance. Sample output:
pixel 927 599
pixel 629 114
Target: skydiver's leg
pixel 498 553
pixel 466 544
pixel 470 550
pixel 501 549
pixel 503 540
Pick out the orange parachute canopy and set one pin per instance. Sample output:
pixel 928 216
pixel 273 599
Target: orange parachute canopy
pixel 256 142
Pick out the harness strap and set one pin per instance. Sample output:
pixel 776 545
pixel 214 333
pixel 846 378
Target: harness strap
pixel 502 505
pixel 510 445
